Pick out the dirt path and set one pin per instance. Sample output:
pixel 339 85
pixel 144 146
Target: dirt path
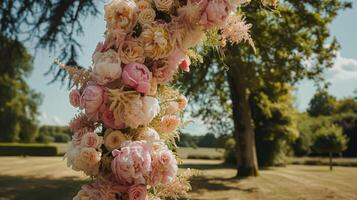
pixel 49 178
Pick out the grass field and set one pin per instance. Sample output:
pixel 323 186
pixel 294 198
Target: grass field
pixel 33 178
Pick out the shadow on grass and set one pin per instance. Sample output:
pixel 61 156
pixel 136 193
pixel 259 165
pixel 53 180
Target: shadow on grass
pixel 217 184
pixel 27 188
pixel 207 166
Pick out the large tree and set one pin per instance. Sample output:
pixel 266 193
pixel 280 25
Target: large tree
pixel 291 44
pixel 18 102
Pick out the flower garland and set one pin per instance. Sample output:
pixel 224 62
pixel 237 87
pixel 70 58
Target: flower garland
pixel 129 115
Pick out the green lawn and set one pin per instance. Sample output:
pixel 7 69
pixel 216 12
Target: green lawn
pixel 33 178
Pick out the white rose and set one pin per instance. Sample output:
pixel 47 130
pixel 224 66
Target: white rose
pixel 113 139
pixel 146 16
pixel 163 5
pixel 107 67
pixel 148 134
pixel 140 111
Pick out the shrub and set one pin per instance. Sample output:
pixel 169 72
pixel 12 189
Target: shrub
pixel 18 149
pixel 43 138
pixel 230 151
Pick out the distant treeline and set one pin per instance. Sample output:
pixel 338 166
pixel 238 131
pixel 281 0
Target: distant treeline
pixel 208 140
pixel 48 133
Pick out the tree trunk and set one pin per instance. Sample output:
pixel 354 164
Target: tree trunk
pixel 330 158
pixel 247 164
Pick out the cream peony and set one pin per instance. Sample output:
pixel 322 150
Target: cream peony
pixel 113 139
pixel 163 5
pixel 107 67
pixel 146 16
pixel 157 41
pixel 148 134
pixel 140 111
pixel 132 51
pixel 120 14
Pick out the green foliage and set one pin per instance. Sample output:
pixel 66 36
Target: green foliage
pixel 321 104
pixel 284 42
pixel 18 102
pixel 307 127
pixel 345 116
pixel 330 139
pixel 275 123
pixel 49 24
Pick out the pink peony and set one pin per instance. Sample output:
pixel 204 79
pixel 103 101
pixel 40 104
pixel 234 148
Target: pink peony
pixel 214 12
pixel 91 139
pixel 132 163
pixel 110 122
pixel 164 166
pixel 137 192
pixel 74 98
pixel 92 101
pixel 137 76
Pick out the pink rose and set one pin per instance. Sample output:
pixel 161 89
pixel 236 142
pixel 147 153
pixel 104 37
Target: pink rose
pixel 214 12
pixel 110 122
pixel 185 64
pixel 92 100
pixel 164 166
pixel 137 76
pixel 78 135
pixel 137 192
pixel 74 98
pixel 132 163
pixel 91 139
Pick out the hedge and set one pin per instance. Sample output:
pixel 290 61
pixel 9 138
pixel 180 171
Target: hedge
pixel 18 149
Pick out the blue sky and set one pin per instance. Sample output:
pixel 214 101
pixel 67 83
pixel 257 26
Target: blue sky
pixel 56 109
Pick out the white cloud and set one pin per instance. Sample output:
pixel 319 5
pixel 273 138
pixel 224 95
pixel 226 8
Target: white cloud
pixel 343 69
pixel 47 120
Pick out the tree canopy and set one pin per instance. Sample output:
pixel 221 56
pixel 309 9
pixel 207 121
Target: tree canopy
pixel 49 24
